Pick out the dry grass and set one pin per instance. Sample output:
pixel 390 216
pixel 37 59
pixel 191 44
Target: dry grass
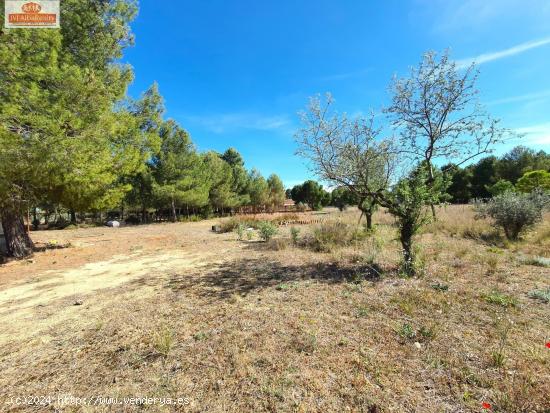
pixel 252 326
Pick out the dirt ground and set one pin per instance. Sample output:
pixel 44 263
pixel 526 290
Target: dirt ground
pixel 177 311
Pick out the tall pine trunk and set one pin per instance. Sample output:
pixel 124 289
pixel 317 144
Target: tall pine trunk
pixel 18 242
pixel 174 217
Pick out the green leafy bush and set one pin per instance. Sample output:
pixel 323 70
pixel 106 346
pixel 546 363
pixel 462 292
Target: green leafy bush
pixel 267 230
pixel 294 234
pixel 515 213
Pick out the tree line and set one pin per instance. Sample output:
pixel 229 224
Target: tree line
pixel 493 175
pixel 521 169
pixel 71 138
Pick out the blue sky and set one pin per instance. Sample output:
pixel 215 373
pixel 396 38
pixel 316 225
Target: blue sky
pixel 236 73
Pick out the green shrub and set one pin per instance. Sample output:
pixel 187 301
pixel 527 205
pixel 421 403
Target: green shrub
pixel 294 234
pixel 163 342
pixel 440 287
pixel 535 261
pixel 542 295
pixel 240 231
pixel 515 213
pixel 267 230
pixel 406 331
pixel 498 298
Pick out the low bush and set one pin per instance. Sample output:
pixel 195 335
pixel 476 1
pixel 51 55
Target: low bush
pixel 541 295
pixel 266 230
pixel 240 231
pixel 536 261
pixel 514 212
pixel 233 223
pixel 498 298
pixel 329 235
pixel 294 235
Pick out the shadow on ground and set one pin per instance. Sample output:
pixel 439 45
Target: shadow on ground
pixel 244 276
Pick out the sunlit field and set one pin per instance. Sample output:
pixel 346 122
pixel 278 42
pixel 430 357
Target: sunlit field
pixel 304 322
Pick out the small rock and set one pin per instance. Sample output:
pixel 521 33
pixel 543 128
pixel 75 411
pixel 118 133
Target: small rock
pixel 113 224
pixel 78 302
pixel 418 345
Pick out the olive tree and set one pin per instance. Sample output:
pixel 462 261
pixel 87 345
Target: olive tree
pixel 515 212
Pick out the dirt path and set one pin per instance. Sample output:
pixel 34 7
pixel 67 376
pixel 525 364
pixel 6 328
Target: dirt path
pixel 93 273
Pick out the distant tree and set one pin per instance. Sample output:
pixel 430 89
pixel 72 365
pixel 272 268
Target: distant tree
pixel 288 193
pixel 276 189
pixel 484 176
pixel 460 187
pixel 258 190
pixel 342 197
pixel 520 160
pixel 239 184
pixel 438 115
pixel 179 173
pixel 501 187
pixel 535 180
pixel 310 193
pixel 233 157
pixel 220 181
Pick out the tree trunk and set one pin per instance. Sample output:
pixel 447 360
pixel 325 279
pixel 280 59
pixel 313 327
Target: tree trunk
pixel 143 215
pixel 18 242
pixel 369 220
pixel 431 181
pixel 73 217
pixel 434 215
pixel 174 211
pixel 405 236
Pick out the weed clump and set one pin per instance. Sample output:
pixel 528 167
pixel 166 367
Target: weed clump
pixel 541 295
pixel 495 297
pixel 330 235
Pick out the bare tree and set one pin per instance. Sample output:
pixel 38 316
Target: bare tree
pixel 438 116
pixel 346 152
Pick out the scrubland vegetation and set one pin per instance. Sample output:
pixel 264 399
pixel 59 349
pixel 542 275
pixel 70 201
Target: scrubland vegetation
pixel 320 317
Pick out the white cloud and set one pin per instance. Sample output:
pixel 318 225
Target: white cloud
pixel 536 134
pixel 220 123
pixel 521 98
pixel 345 75
pixel 460 15
pixel 489 57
